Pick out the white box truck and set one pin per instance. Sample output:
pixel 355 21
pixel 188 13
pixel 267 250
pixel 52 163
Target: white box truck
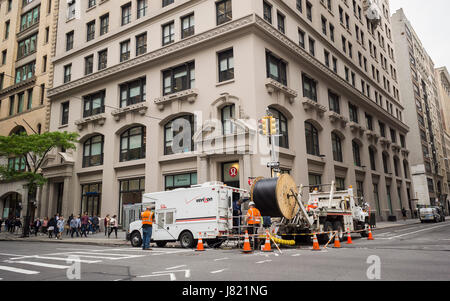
pixel 182 214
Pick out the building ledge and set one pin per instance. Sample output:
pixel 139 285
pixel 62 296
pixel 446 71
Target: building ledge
pixel 273 86
pixel 140 108
pixel 356 128
pixel 99 119
pixel 395 147
pixel 11 89
pixel 371 135
pixel 130 164
pixel 385 142
pixel 311 105
pixel 338 118
pixel 190 95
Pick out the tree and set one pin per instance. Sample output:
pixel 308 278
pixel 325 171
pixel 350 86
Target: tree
pixel 33 149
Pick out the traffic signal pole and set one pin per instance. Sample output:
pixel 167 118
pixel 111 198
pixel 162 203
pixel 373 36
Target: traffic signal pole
pixel 269 127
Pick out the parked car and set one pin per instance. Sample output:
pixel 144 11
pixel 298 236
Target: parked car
pixel 434 214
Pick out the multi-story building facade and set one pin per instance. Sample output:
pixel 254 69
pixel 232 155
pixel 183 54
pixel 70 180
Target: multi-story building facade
pixel 443 79
pixel 419 90
pixel 137 79
pixel 27 30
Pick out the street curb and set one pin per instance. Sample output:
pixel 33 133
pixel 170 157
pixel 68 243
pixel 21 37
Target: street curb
pixel 396 226
pixel 69 242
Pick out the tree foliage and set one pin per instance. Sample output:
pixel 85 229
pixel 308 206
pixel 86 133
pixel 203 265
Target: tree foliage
pixel 34 149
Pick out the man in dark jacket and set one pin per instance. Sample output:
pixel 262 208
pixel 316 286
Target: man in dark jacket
pixel 84 224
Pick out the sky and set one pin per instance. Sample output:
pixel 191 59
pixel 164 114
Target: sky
pixel 431 21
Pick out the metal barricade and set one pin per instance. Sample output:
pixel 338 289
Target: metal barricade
pixel 131 213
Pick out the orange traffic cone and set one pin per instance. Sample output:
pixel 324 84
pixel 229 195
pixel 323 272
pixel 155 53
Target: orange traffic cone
pixel 316 246
pixel 349 237
pixel 337 242
pixel 247 248
pixel 267 247
pixel 200 243
pixel 370 237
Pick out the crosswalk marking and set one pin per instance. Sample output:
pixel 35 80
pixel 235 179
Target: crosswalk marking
pixel 17 270
pixel 66 259
pixel 41 264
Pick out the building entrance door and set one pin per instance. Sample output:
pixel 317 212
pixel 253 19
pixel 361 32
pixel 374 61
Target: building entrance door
pixel 230 174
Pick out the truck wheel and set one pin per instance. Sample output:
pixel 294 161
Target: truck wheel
pixel 187 240
pixel 136 240
pixel 337 226
pixel 161 244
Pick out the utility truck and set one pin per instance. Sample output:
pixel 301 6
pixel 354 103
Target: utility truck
pixel 186 213
pixel 325 212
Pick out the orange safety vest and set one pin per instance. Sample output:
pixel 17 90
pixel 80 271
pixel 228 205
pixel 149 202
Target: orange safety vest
pixel 147 218
pixel 254 216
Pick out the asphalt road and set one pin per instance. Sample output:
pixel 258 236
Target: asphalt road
pixel 412 252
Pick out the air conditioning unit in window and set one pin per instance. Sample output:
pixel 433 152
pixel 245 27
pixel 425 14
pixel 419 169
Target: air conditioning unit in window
pixel 373 12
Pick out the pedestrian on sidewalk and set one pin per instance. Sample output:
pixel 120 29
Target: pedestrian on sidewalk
pixel 55 229
pixel 84 224
pixel 75 224
pixel 68 224
pixel 17 225
pixel 60 225
pixel 1 223
pixel 36 226
pixel 107 224
pixel 404 214
pixel 51 227
pixel 114 225
pixel 95 223
pixel 45 225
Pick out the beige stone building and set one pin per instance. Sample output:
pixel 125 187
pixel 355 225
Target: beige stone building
pixel 27 30
pixel 165 94
pixel 419 90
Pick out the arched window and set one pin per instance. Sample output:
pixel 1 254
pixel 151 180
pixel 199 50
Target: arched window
pixel 356 153
pixel 132 144
pixel 227 115
pixel 312 139
pixel 396 167
pixel 178 135
pixel 385 162
pixel 337 147
pixel 93 151
pixel 373 165
pixel 283 140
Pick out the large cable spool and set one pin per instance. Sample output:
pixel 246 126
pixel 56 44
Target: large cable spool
pixel 273 196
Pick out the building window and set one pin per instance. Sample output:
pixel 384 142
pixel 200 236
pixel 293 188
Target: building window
pixel 67 73
pixel 93 151
pixel 267 12
pixel 360 190
pixel 12 99
pixel 178 135
pixel 104 24
pixel 406 169
pixel 228 115
pixel 94 104
pixel 340 184
pixel 88 65
pixel 29 18
pixel 315 182
pixel 281 22
pixel 20 102
pixel 132 144
pixel 44 64
pixel 369 122
pixel 333 100
pixel 326 55
pixel 141 8
pixel 382 129
pixel 276 68
pixel 353 113
pixel 141 44
pixel 166 2
pixel 4 54
pixel 356 153
pixel 168 32
pixel 7 24
pixel 301 38
pixel 226 65
pixel 65 113
pixel 71 9
pixel 91 3
pixel 187 26
pixel 131 192
pixel 126 14
pixel 27 46
pixel 179 78
pixel 133 92
pixel 312 47
pixel 90 31
pixel 223 11
pixel 91 196
pixel 25 72
pixel 125 51
pixel 102 59
pixel 283 139
pixel 309 10
pixel 373 165
pixel 309 87
pixel 385 163
pixel 30 99
pixel 180 181
pixel 336 144
pixel 69 40
pixel 42 94
pixel 312 139
pixel 17 164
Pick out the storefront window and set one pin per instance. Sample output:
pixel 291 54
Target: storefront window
pixel 180 181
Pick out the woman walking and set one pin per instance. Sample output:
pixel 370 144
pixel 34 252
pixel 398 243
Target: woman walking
pixel 106 223
pixel 51 227
pixel 113 223
pixel 45 225
pixel 60 224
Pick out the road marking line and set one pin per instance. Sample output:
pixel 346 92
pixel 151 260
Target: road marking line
pixel 178 266
pixel 263 261
pixel 16 270
pixel 294 255
pixel 218 271
pixel 41 264
pixel 392 237
pixel 172 276
pixel 107 254
pixel 6 254
pixel 66 259
pixel 218 259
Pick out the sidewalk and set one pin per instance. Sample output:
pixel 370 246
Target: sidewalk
pixel 399 223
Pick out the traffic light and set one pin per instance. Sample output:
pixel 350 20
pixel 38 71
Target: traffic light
pixel 274 126
pixel 263 125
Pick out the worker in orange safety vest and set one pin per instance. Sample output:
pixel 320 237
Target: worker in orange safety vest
pixel 147 225
pixel 253 221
